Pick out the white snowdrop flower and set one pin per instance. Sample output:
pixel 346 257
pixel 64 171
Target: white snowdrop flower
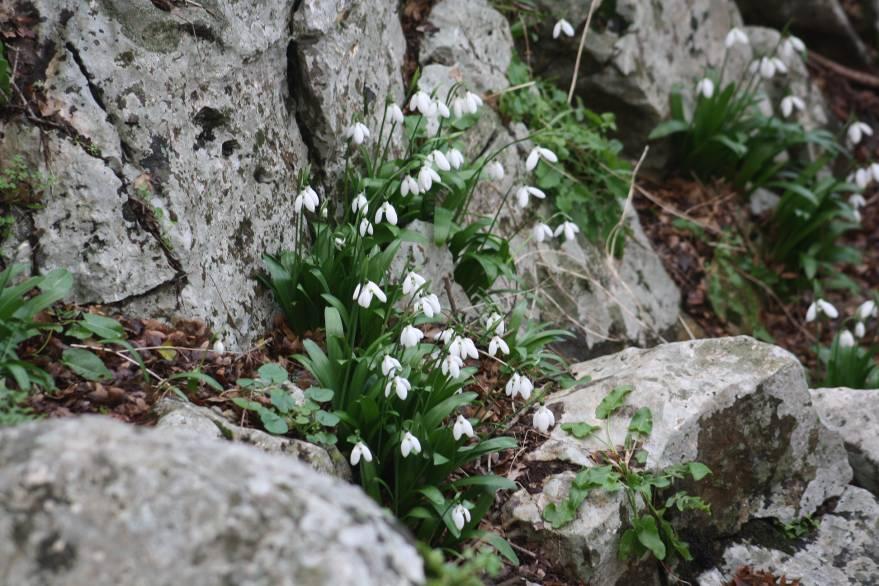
pixel 386 210
pixel 398 385
pixel 846 339
pixel 366 228
pixel 524 193
pixel 23 251
pixel 455 158
pixel 705 87
pixel 821 306
pixel 538 153
pixel 463 348
pixel 562 27
pixel 569 229
pixel 460 516
pixel 410 336
pixel 736 36
pixel 543 419
pixel 442 111
pixel 429 305
pixel 525 388
pixel 792 45
pixel 357 133
pixel 857 131
pixel 412 282
pixel 541 232
pixel 494 324
pixel 459 107
pixel 791 104
pixel 219 347
pixel 426 176
pixel 422 102
pixel 863 177
pixel 394 113
pixel 451 365
pixel 364 293
pixel 866 310
pixel 360 203
pixel 497 343
pixel 390 365
pixel 472 102
pixel 409 185
pixel 439 159
pixel 409 445
pixel 340 242
pixel 874 171
pixel 360 450
pixel 495 171
pixel 768 67
pixel 856 214
pixel 461 428
pixel 308 198
pixel 444 336
pixel 860 329
pixel 519 385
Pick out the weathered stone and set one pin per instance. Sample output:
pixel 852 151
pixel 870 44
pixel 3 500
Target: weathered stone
pixel 841 552
pixel 207 423
pixel 93 501
pixel 473 36
pixel 854 415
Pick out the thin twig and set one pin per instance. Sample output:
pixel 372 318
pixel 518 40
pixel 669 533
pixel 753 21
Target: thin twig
pixel 854 75
pixel 580 51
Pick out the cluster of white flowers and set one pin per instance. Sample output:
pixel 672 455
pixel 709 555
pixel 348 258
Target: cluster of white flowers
pixel 541 231
pixel 865 311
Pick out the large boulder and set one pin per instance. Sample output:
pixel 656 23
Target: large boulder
pixel 177 137
pixel 739 406
pixel 93 501
pixel 842 551
pixel 854 415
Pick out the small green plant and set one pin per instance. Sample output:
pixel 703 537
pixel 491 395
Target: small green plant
pixel 799 528
pixel 848 364
pixel 465 569
pixel 649 530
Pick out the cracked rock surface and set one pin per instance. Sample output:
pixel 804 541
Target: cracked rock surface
pixel 93 501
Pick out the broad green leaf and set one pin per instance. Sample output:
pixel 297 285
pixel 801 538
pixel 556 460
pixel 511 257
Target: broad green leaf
pixel 698 470
pixel 502 546
pixel 559 514
pixel 434 495
pixel 103 327
pixel 629 547
pixel 648 536
pixel 273 422
pixel 198 377
pixel 282 400
pixel 273 373
pixel 86 364
pixel 491 482
pixel 612 402
pixel 580 430
pixel 642 422
pixel 319 394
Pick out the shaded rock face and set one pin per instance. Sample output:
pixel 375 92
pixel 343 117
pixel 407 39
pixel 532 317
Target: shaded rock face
pixel 185 132
pixel 854 415
pixel 739 406
pixel 93 501
pixel 842 551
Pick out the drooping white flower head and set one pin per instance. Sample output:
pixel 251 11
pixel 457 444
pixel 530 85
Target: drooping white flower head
pixel 429 305
pixel 455 158
pixel 462 428
pixel 439 159
pixel 219 347
pixel 538 153
pixel 390 365
pixel 464 348
pixel 821 306
pixel 452 365
pixel 339 242
pixel 768 67
pixel 524 193
pixel 364 293
pixel 409 185
pixel 398 385
pixel 562 27
pixel 409 445
pixel 569 229
pixel 366 227
pixel 422 102
pixel 790 46
pixel 426 177
pixel 472 102
pixel 519 385
pixel 736 36
pixel 442 111
pixel 791 104
pixel 445 336
pixel 357 133
pixel 846 339
pixel 394 113
pixel 412 282
pixel 410 336
pixel 460 516
pixel 543 419
pixel 863 177
pixel 860 329
pixel 857 131
pixel 360 203
pixel 360 450
pixel 495 171
pixel 494 324
pixel 866 310
pixel 541 232
pixel 308 198
pixel 874 171
pixel 705 87
pixel 386 210
pixel 497 343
